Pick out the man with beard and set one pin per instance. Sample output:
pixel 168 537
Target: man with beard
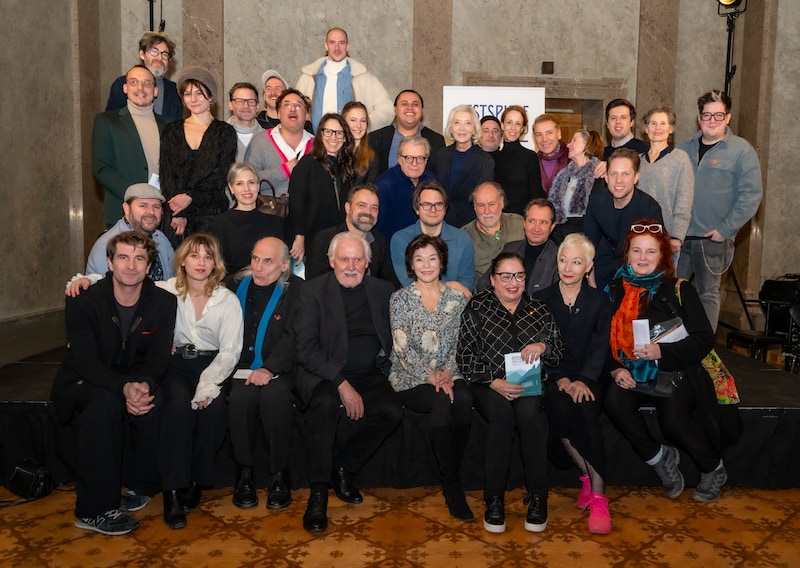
pixel 361 214
pixel 142 212
pixel 243 104
pixel 156 50
pixel 126 142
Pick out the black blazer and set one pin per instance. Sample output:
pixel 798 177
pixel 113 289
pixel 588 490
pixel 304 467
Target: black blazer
pixel 381 142
pixel 321 330
pixel 97 352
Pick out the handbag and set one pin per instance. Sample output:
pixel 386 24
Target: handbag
pixel 30 480
pixel 662 386
pixel 277 205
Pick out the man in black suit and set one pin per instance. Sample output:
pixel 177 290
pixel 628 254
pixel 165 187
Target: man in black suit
pixel 385 141
pixel 120 337
pixel 343 346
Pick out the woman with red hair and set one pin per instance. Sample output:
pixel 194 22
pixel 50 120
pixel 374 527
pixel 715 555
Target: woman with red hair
pixel 645 288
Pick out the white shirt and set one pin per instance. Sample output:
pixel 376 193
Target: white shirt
pixel 219 328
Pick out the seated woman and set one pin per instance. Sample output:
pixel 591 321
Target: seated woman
pixel 500 320
pixel 573 185
pixel 365 160
pixel 208 342
pixel 262 398
pixel 572 393
pixel 196 153
pixel 463 165
pixel 238 229
pixel 424 318
pixel 645 288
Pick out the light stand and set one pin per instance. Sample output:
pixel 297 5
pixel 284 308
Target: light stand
pixel 730 9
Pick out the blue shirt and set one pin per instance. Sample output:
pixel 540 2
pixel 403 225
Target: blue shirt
pixel 460 254
pixel 97 257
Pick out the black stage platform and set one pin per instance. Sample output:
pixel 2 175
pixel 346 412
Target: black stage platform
pixel 767 454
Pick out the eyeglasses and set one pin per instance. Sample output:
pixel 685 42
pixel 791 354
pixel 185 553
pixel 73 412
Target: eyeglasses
pixel 155 53
pixel 507 276
pixel 134 82
pixel 717 116
pixel 331 133
pixel 245 102
pixel 288 105
pixel 414 159
pixel 654 228
pixel 426 206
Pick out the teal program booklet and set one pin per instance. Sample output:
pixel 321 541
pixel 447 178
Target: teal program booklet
pixel 529 375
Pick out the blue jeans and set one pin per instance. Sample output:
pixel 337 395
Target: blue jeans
pixel 707 261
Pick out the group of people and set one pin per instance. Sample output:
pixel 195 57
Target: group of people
pixel 429 261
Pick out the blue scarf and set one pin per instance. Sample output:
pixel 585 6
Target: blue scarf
pixel 344 91
pixel 261 332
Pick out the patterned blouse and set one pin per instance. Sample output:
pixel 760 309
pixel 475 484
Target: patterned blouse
pixel 424 341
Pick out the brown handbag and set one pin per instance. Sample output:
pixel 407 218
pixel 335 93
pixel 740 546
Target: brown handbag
pixel 277 205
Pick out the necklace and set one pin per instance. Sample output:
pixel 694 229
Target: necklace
pixel 567 300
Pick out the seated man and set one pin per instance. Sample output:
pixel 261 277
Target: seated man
pixel 397 184
pixel 343 346
pixel 261 394
pixel 430 202
pixel 360 213
pixel 275 153
pixel 492 228
pixel 141 212
pixel 120 338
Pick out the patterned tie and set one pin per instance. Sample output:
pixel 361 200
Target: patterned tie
pixel 157 270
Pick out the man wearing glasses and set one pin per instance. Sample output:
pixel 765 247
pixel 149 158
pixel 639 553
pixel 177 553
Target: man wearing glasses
pixel 727 193
pixel 430 202
pixel 156 50
pixel 243 104
pixel 126 142
pixel 396 185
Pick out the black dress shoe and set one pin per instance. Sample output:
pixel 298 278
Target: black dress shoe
pixel 190 497
pixel 315 518
pixel 279 496
pixel 245 496
pixel 174 515
pixel 344 488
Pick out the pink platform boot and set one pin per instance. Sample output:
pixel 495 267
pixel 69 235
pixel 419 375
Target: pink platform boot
pixel 599 517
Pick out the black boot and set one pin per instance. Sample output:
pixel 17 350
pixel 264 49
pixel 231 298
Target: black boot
pixel 343 486
pixel 279 496
pixel 245 495
pixel 315 518
pixel 190 497
pixel 174 516
pixel 442 442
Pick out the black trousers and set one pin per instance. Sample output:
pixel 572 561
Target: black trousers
pixel 101 418
pixel 190 438
pixel 579 423
pixel 675 419
pixel 333 438
pixel 527 415
pixel 441 412
pixel 271 407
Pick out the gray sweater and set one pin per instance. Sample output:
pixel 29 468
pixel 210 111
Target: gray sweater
pixel 670 181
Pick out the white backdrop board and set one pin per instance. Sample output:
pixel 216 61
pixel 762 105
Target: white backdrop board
pixel 493 100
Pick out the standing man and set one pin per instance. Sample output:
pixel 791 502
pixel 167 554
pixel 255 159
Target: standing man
pixel 610 214
pixel 360 214
pixel 126 142
pixel 397 184
pixel 141 212
pixel 343 346
pixel 408 118
pixel 430 202
pixel 620 121
pixel 336 79
pixel 553 154
pixel 491 134
pixel 727 193
pixel 120 336
pixel 492 228
pixel 156 50
pixel 243 104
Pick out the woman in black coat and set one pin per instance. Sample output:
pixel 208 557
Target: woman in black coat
pixel 516 167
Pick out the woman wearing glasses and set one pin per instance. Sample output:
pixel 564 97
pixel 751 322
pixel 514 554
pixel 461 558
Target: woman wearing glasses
pixel 572 391
pixel 365 160
pixel 645 288
pixel 516 168
pixel 196 153
pixel 320 182
pixel 425 317
pixel 666 174
pixel 463 165
pixel 504 319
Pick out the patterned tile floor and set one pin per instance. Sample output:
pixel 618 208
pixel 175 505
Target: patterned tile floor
pixel 411 528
